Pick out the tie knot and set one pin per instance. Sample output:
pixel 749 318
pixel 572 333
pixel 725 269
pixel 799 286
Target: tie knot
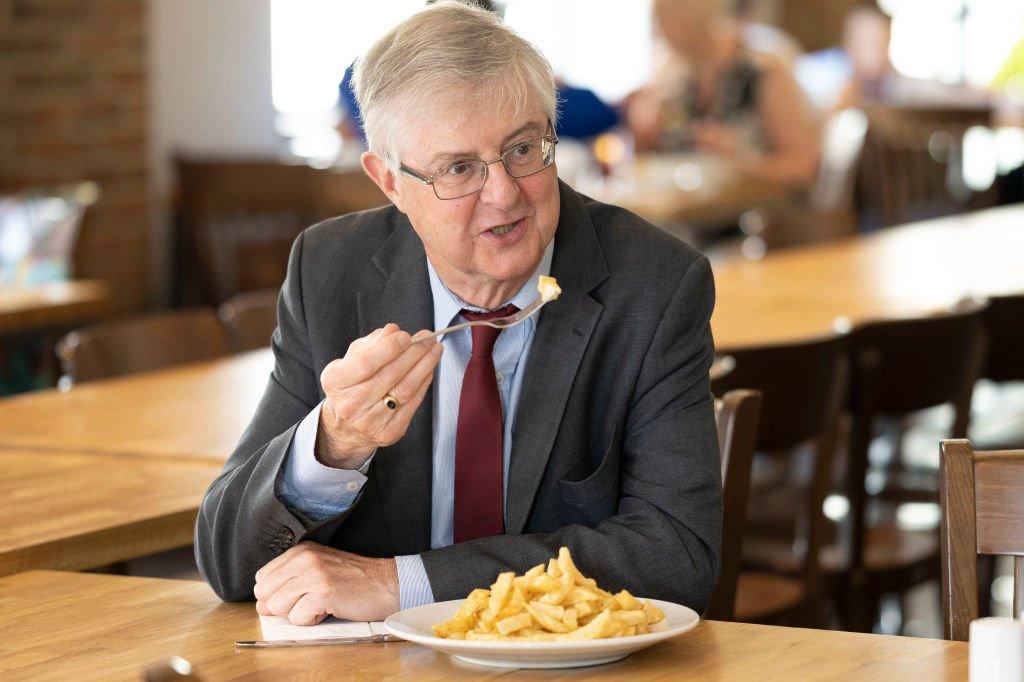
pixel 484 337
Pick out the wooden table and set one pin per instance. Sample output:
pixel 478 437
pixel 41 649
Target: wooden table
pixel 73 510
pixel 196 410
pixel 687 193
pixel 58 304
pixel 913 270
pixel 92 626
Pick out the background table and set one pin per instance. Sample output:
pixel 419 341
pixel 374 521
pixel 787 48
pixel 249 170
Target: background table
pixel 74 511
pixel 93 626
pixel 196 410
pixel 690 193
pixel 58 304
pixel 913 270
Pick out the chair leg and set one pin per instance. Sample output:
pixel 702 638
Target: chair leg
pixel 861 606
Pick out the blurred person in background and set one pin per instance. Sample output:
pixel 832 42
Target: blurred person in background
pixel 717 95
pixel 760 36
pixel 871 76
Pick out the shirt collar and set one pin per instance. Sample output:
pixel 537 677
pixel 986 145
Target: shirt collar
pixel 447 305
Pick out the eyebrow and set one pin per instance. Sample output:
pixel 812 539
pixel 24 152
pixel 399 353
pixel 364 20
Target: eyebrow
pixel 456 156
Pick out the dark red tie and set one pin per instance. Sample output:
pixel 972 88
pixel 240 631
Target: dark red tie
pixel 479 489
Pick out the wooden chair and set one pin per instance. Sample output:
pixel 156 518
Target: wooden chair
pixel 1005 324
pixel 828 212
pixel 982 497
pixel 802 387
pixel 912 166
pixel 900 367
pixel 250 318
pixel 237 219
pixel 142 343
pixel 736 415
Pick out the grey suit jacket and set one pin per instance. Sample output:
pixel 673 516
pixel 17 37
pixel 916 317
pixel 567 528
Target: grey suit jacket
pixel 614 453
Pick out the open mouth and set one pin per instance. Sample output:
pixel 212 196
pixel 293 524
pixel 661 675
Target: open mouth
pixel 502 230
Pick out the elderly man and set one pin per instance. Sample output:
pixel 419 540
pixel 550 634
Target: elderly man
pixel 405 472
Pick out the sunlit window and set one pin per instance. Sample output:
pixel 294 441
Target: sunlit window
pixel 953 41
pixel 313 41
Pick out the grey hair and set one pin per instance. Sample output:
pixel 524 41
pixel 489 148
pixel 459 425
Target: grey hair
pixel 438 53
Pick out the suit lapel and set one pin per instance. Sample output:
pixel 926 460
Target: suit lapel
pixel 563 333
pixel 404 469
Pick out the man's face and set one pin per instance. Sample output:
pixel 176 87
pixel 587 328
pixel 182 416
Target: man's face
pixel 458 234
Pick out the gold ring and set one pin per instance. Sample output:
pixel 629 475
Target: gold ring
pixel 391 402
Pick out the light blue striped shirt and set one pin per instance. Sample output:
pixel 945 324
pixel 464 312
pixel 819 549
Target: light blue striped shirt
pixel 320 492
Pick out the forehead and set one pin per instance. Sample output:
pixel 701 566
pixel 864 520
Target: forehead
pixel 468 126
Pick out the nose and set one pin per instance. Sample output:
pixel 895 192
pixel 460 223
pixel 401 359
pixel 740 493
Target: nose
pixel 501 189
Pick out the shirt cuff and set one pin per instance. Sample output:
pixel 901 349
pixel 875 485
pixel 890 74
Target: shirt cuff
pixel 308 486
pixel 413 584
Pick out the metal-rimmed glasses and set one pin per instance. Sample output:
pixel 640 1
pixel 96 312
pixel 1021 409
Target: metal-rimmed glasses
pixel 463 178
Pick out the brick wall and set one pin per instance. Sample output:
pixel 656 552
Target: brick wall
pixel 73 105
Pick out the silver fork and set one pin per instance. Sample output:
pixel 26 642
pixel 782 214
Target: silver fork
pixel 497 323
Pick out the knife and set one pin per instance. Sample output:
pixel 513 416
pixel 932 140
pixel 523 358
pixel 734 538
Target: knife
pixel 322 641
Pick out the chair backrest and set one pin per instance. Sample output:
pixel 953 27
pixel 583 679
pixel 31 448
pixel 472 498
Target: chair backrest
pixel 828 212
pixel 142 343
pixel 239 217
pixel 1005 323
pixel 912 167
pixel 736 416
pixel 250 318
pixel 922 362
pixel 899 367
pixel 802 386
pixel 842 143
pixel 982 497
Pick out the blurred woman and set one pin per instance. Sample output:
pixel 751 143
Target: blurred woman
pixel 717 95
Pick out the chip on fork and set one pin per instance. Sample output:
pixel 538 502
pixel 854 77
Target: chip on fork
pixel 549 291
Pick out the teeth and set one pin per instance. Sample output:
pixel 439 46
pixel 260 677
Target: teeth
pixel 504 229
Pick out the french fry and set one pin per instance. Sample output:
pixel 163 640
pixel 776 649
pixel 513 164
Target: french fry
pixel 560 593
pixel 500 592
pixel 549 602
pixel 627 601
pixel 506 626
pixel 654 614
pixel 535 571
pixel 546 618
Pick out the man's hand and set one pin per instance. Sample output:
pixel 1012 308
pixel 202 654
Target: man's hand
pixel 310 582
pixel 354 420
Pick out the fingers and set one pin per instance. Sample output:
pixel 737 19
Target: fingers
pixel 365 358
pixel 281 602
pixel 408 385
pixel 390 377
pixel 310 609
pixel 278 571
pixel 403 415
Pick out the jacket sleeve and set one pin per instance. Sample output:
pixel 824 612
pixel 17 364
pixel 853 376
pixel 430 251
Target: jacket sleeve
pixel 664 540
pixel 241 523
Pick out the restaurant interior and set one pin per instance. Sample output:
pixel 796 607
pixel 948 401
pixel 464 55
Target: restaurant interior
pixel 852 169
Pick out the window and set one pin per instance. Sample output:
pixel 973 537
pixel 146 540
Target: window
pixel 953 41
pixel 313 41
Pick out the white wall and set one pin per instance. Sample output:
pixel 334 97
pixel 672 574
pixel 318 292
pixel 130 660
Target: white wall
pixel 210 93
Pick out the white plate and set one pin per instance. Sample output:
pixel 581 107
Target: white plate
pixel 415 624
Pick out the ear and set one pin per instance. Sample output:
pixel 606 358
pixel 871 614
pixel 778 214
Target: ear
pixel 378 170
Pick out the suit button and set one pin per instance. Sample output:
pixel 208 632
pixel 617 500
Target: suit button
pixel 287 536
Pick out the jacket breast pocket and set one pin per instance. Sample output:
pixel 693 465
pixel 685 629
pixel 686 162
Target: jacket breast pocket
pixel 596 497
